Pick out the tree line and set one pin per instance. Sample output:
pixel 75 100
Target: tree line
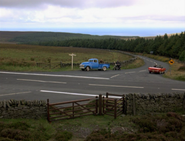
pixel 170 46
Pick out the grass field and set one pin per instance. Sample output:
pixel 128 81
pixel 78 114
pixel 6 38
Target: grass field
pixel 18 57
pixel 162 127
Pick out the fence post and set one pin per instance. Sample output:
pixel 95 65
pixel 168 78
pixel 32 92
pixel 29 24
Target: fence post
pixel 134 105
pixel 96 106
pixel 48 116
pixel 73 109
pixel 107 96
pixel 115 108
pixel 100 104
pixel 124 112
pixel 103 105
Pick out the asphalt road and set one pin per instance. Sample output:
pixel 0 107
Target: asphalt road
pixel 73 85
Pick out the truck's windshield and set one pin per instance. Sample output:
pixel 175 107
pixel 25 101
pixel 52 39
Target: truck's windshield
pixel 93 60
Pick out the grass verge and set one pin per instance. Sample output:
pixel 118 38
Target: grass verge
pixel 176 71
pixel 136 64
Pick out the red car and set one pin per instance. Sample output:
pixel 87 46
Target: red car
pixel 156 69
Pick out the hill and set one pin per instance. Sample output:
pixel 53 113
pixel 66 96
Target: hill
pixel 36 37
pixel 172 46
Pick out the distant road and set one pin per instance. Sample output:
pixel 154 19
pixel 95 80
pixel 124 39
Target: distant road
pixel 73 85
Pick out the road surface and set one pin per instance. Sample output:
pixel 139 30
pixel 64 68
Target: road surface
pixel 73 85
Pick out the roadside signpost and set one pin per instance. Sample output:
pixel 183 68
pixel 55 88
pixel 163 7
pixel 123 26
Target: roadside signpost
pixel 171 63
pixel 72 60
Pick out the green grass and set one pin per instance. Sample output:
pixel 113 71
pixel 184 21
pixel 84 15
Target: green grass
pixel 26 53
pixel 25 129
pixel 80 128
pixel 156 57
pixel 136 64
pixel 166 126
pixel 176 71
pixel 16 57
pixel 34 68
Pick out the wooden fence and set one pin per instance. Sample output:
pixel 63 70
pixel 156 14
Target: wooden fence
pixel 93 106
pixel 113 106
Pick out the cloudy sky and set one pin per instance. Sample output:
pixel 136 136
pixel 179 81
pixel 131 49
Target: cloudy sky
pixel 91 13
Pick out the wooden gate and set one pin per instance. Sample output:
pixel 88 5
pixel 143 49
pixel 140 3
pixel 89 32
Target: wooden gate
pixel 112 105
pixel 71 109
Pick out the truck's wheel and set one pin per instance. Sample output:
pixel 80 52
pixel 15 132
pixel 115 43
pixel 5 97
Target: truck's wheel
pixel 87 68
pixel 104 68
pixel 149 71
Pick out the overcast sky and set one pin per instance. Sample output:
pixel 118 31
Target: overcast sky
pixel 92 13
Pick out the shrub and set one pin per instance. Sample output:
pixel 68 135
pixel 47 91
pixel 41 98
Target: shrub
pixel 63 136
pixel 145 124
pixel 6 139
pixel 100 135
pixel 20 125
pixel 181 68
pixel 15 134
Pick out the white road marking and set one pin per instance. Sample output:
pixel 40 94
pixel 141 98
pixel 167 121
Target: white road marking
pixel 68 93
pixel 41 81
pixel 15 93
pixel 178 89
pixel 142 70
pixel 101 85
pixel 54 75
pixel 79 94
pixel 114 76
pixel 129 72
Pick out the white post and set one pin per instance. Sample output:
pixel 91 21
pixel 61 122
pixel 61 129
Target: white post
pixel 72 60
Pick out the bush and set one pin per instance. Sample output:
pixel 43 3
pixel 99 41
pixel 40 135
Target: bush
pixel 167 127
pixel 15 134
pixel 145 124
pixel 22 131
pixel 20 125
pixel 100 135
pixel 63 136
pixel 181 68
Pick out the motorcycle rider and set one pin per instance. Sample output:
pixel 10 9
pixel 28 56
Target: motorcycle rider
pixel 117 66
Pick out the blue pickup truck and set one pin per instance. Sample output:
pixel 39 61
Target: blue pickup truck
pixel 93 63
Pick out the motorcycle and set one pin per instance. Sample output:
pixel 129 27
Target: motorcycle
pixel 117 66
